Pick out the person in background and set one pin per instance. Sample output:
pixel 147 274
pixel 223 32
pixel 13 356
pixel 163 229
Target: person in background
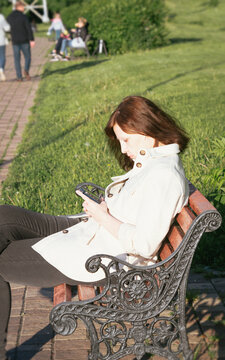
pixel 57 26
pixel 56 51
pixel 78 36
pixel 4 27
pixel 22 39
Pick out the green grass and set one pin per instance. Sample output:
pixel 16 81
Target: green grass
pixel 64 142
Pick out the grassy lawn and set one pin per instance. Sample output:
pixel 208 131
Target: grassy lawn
pixel 64 142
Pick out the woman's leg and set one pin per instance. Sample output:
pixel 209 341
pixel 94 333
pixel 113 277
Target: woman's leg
pixel 63 45
pixel 17 59
pixel 19 263
pixel 57 35
pixel 19 224
pixel 5 301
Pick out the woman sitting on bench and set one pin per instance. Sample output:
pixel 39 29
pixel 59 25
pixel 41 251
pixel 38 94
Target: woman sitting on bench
pixel 78 36
pixel 45 250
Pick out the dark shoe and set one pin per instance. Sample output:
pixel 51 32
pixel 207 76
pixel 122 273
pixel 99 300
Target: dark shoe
pixel 27 76
pixel 19 80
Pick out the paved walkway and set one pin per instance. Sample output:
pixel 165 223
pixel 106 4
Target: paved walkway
pixel 15 102
pixel 30 336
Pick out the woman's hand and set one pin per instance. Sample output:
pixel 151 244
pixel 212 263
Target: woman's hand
pixel 100 214
pixel 93 209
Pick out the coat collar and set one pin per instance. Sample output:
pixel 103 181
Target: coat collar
pixel 145 155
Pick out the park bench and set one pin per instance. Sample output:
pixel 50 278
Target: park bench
pixel 84 48
pixel 140 310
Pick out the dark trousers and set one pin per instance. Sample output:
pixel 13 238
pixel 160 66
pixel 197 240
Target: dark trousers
pixel 25 49
pixel 19 263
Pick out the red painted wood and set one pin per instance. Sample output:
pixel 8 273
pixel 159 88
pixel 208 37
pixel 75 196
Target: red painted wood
pixel 165 251
pixel 62 293
pixel 175 236
pixel 185 218
pixel 86 292
pixel 199 203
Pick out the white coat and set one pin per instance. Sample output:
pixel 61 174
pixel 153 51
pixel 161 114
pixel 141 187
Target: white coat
pixel 146 199
pixel 4 27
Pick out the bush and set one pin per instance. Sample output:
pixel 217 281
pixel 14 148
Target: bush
pixel 55 5
pixel 123 25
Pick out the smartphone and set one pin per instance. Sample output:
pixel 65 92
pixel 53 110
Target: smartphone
pixel 90 194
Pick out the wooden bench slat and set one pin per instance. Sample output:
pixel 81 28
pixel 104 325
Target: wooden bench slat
pixel 86 292
pixel 165 251
pixel 175 236
pixel 62 293
pixel 185 218
pixel 199 203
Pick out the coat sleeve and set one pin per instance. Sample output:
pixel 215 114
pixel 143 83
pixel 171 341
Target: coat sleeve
pixel 51 27
pixel 29 29
pixel 6 25
pixel 160 199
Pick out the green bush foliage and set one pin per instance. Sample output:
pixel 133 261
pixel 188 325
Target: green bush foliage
pixel 56 5
pixel 5 7
pixel 123 25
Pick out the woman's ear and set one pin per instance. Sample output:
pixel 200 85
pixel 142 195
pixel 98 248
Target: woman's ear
pixel 150 142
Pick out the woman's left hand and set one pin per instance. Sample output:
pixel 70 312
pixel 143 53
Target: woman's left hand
pixel 100 214
pixel 93 209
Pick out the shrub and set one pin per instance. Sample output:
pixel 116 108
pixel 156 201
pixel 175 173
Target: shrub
pixel 123 25
pixel 55 5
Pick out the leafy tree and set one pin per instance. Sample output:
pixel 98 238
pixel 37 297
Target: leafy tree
pixel 55 5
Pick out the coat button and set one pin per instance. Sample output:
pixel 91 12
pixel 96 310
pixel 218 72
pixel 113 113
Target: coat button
pixel 139 165
pixel 65 231
pixel 142 152
pixel 110 195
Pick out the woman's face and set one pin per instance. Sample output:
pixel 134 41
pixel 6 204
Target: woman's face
pixel 131 143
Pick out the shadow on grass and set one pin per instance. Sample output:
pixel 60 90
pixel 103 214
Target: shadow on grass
pixel 44 143
pixel 66 70
pixel 183 40
pixel 179 75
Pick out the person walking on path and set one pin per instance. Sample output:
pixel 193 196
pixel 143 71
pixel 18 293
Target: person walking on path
pixel 4 27
pixel 22 39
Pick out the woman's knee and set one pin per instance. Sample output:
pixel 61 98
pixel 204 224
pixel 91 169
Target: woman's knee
pixel 8 214
pixel 4 212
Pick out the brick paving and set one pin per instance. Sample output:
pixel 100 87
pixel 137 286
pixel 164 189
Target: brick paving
pixel 15 101
pixel 29 335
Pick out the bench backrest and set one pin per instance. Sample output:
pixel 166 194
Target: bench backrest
pixel 197 204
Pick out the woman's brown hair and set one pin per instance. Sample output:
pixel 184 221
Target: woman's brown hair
pixel 136 114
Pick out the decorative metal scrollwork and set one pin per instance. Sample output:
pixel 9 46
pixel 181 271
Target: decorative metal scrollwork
pixel 64 323
pixel 138 290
